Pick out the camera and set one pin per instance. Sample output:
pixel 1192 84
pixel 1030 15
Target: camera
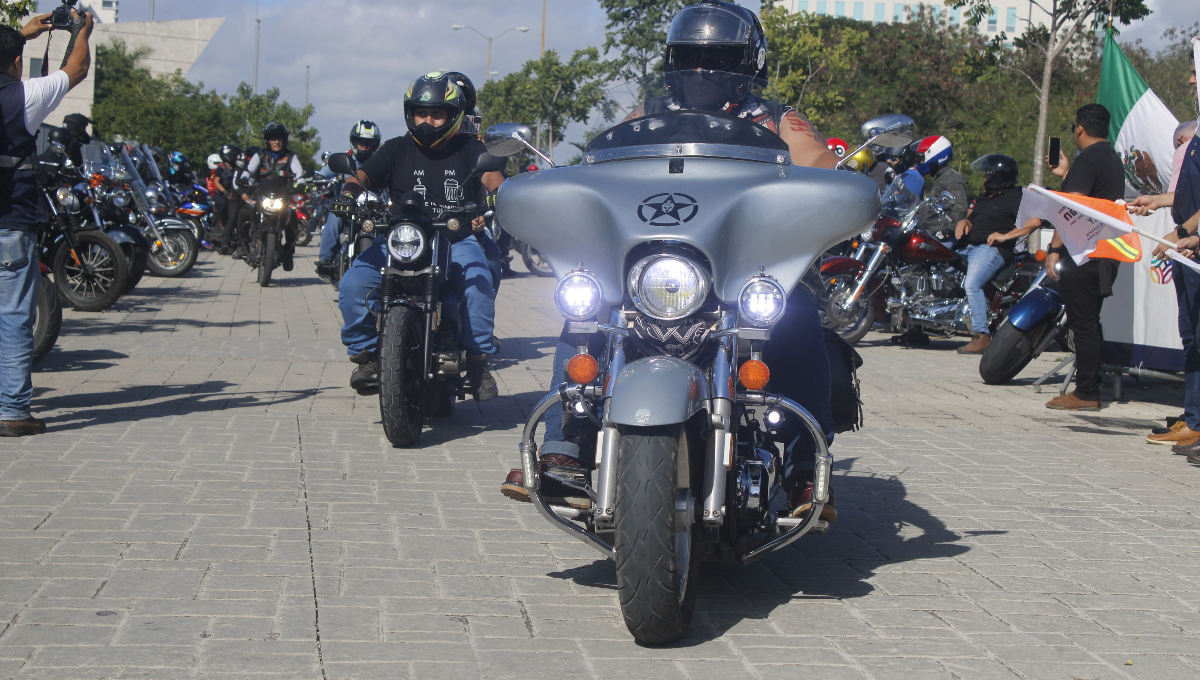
pixel 60 18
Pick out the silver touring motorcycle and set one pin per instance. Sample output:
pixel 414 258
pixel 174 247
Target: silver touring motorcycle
pixel 691 228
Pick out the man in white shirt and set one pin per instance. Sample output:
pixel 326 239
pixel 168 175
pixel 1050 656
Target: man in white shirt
pixel 23 107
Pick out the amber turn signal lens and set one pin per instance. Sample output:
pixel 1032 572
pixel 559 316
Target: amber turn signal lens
pixel 1040 256
pixel 754 375
pixel 583 369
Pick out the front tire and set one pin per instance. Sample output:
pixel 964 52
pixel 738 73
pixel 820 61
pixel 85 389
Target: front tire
pixel 303 233
pixel 657 564
pixel 266 262
pixel 852 324
pixel 136 258
pixel 1009 352
pixel 48 322
pixel 534 261
pixel 176 254
pixel 401 379
pixel 91 276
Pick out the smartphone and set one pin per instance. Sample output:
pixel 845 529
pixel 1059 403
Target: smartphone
pixel 1055 151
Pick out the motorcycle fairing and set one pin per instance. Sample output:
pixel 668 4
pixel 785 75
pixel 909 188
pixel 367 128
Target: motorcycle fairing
pixel 742 215
pixel 657 391
pixel 1037 306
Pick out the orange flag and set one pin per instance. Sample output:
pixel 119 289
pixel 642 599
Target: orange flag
pixel 1089 227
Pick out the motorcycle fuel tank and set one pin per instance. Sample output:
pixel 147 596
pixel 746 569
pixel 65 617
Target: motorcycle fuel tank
pixel 742 215
pixel 919 246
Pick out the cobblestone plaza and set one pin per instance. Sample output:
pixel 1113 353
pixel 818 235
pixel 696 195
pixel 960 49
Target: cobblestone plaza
pixel 213 501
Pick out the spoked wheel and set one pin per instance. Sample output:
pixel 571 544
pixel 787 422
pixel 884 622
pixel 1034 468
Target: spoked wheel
pixel 534 261
pixel 266 260
pixel 852 324
pixel 91 276
pixel 401 379
pixel 175 254
pixel 48 322
pixel 655 534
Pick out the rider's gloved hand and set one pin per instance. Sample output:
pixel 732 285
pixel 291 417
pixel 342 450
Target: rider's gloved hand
pixel 344 204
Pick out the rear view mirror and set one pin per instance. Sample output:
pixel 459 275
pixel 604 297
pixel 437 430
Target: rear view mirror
pixel 506 139
pixel 342 164
pixel 891 129
pixel 489 163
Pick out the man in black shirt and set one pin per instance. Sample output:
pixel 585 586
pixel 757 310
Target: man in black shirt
pixel 437 163
pixel 1098 173
pixel 989 228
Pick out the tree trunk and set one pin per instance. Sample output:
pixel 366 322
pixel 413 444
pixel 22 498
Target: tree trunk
pixel 1034 241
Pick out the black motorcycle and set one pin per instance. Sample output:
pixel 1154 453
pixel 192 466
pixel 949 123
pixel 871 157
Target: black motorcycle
pixel 268 236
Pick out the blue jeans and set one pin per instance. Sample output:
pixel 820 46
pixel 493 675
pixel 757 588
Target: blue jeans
pixel 982 264
pixel 19 281
pixel 1187 290
pixel 492 252
pixel 329 237
pixel 470 277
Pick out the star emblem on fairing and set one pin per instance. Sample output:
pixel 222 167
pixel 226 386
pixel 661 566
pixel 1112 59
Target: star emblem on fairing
pixel 667 210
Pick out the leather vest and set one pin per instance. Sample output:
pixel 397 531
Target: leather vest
pixel 20 207
pixel 269 166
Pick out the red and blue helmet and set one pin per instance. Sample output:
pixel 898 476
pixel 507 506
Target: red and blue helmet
pixel 932 153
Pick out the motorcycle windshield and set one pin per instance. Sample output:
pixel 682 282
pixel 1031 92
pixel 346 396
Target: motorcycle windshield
pixel 98 160
pixel 137 186
pixel 707 180
pixel 898 200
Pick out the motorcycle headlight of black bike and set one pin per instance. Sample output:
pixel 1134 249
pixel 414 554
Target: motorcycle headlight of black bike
pixel 406 242
pixel 667 286
pixel 119 197
pixel 579 296
pixel 762 301
pixel 271 204
pixel 152 197
pixel 67 198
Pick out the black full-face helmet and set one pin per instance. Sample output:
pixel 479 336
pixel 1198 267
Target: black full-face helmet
pixel 716 52
pixel 436 90
pixel 230 153
pixel 470 124
pixel 366 133
pixel 276 131
pixel 999 171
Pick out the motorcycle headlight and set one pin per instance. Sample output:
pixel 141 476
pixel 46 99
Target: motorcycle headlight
pixel 762 301
pixel 406 242
pixel 867 234
pixel 271 204
pixel 579 296
pixel 67 198
pixel 119 198
pixel 667 287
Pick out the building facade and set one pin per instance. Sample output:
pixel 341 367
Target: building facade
pixel 1010 17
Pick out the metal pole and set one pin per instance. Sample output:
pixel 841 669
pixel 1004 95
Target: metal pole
pixel 257 34
pixel 306 72
pixel 151 10
pixel 489 68
pixel 541 52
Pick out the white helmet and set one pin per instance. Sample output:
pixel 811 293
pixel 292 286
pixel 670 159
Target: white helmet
pixel 214 161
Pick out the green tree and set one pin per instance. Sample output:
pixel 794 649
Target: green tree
pixel 14 12
pixel 249 113
pixel 548 94
pixel 810 57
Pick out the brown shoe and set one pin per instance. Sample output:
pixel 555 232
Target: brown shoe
pixel 1179 433
pixel 977 344
pixel 22 428
pixel 554 492
pixel 800 499
pixel 1070 402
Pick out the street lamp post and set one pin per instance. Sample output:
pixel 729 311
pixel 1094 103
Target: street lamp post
pixel 519 29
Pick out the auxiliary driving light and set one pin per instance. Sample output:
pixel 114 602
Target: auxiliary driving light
pixel 762 301
pixel 774 418
pixel 406 242
pixel 583 369
pixel 579 296
pixel 754 375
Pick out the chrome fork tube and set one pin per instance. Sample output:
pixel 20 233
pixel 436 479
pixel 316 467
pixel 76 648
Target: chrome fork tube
pixel 720 444
pixel 872 267
pixel 609 438
pixel 862 250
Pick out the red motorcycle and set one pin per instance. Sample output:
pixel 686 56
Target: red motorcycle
pixel 908 281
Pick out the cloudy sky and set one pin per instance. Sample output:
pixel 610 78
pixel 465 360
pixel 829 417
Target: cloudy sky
pixel 363 53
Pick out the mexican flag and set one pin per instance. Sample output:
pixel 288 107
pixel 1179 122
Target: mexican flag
pixel 1141 126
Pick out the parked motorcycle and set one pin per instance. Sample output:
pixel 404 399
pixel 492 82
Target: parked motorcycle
pixel 47 321
pixel 1033 323
pixel 174 246
pixel 111 202
pixel 912 282
pixel 89 267
pixel 693 229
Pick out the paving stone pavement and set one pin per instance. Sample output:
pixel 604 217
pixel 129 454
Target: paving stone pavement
pixel 213 501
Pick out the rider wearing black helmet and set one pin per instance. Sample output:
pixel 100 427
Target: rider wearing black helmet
pixel 276 160
pixel 437 162
pixel 232 162
pixel 989 227
pixel 716 54
pixel 365 138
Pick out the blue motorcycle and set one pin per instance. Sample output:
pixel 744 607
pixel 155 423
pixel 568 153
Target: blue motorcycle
pixel 1035 322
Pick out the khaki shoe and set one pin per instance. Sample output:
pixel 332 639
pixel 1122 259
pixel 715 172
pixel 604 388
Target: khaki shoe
pixel 977 344
pixel 1179 433
pixel 553 491
pixel 1070 402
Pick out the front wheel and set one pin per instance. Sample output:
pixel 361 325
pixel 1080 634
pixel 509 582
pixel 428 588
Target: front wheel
pixel 136 258
pixel 266 260
pixel 175 254
pixel 303 232
pixel 401 383
pixel 655 534
pixel 851 324
pixel 534 261
pixel 91 276
pixel 48 321
pixel 1010 351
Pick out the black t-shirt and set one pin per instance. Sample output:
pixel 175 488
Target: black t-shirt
pixel 443 176
pixel 1097 172
pixel 995 213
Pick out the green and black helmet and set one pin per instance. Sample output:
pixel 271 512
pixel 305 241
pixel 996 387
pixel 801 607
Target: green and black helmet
pixel 436 90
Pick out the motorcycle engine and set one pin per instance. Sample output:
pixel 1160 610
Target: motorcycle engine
pixel 935 298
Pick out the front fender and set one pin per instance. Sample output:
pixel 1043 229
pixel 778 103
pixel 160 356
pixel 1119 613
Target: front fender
pixel 657 391
pixel 123 233
pixel 173 224
pixel 1037 306
pixel 835 266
